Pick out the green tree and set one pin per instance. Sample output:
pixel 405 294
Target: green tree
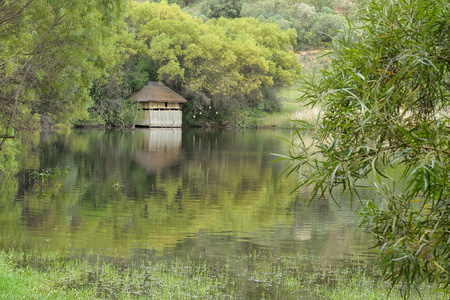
pixel 385 126
pixel 324 27
pixel 312 28
pixel 320 4
pixel 181 3
pixel 221 8
pixel 50 53
pixel 111 103
pixel 219 66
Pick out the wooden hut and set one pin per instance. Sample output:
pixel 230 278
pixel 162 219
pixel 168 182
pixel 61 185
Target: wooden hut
pixel 159 106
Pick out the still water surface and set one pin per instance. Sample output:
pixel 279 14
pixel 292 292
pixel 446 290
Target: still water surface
pixel 171 192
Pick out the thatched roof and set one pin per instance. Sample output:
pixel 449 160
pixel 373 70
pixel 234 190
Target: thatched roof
pixel 157 92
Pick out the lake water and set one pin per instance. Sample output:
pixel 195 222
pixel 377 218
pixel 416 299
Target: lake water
pixel 169 193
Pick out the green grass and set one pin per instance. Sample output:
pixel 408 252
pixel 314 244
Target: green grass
pixel 28 283
pixel 255 275
pixel 54 276
pixel 291 110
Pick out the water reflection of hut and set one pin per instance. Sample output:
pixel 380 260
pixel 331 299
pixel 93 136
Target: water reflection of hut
pixel 158 148
pixel 159 106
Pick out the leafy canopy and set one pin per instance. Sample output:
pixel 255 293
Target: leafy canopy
pixel 313 28
pixel 385 126
pixel 223 63
pixel 221 8
pixel 50 53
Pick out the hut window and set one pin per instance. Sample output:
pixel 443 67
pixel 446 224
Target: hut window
pixel 165 104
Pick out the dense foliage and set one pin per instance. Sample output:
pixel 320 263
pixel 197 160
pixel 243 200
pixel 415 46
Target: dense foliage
pixel 219 66
pixel 50 53
pixel 385 126
pixel 315 23
pixel 313 28
pixel 222 8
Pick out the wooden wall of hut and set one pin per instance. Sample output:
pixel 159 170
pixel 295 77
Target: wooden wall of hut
pixel 160 114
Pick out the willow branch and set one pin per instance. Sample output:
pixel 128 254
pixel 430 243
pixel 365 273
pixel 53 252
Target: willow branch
pixel 37 53
pixel 16 101
pixel 12 16
pixel 398 147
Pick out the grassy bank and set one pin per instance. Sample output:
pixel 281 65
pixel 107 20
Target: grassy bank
pixel 291 110
pixel 253 276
